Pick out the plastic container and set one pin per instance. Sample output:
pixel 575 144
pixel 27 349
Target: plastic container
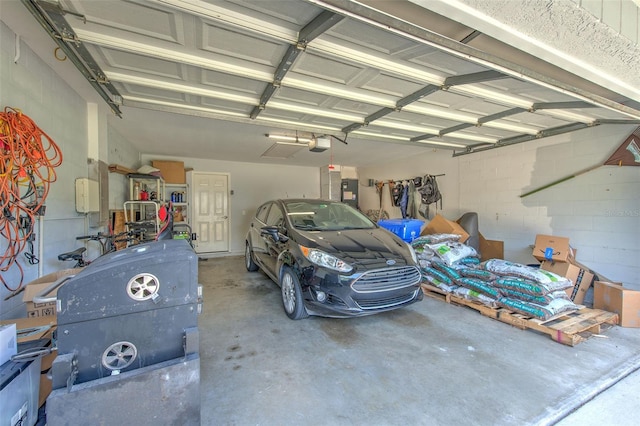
pixel 407 229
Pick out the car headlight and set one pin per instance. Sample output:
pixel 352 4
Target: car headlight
pixel 413 253
pixel 326 260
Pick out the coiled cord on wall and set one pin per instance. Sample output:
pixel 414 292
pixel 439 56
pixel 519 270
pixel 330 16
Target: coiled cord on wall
pixel 28 159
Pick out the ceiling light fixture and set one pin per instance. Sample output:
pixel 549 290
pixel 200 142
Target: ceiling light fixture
pixel 289 138
pixel 406 139
pixel 396 66
pixel 172 55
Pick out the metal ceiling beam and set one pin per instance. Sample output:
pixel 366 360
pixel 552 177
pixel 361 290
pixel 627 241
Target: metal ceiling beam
pixel 454 128
pixel 415 96
pixel 318 25
pixel 562 105
pixel 552 131
pixel 615 121
pixel 378 114
pixel 476 77
pixel 427 90
pixel 409 99
pixel 499 115
pixel 572 127
pixel 472 35
pixel 415 31
pixel 422 137
pixel 50 16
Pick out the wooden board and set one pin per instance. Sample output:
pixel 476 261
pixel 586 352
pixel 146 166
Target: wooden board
pixel 569 328
pixel 117 168
pixel 118 226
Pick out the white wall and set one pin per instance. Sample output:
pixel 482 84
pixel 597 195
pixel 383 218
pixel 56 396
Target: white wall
pixel 599 211
pixel 252 185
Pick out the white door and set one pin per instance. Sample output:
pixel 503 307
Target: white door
pixel 210 218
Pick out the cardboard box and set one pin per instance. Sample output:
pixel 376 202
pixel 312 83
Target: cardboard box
pixel 37 328
pixel 33 328
pixel 613 297
pixel 550 247
pixel 8 342
pixel 172 171
pixel 440 225
pixel 36 286
pixel 490 249
pixel 579 275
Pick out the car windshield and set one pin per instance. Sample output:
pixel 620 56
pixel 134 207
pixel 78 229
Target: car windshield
pixel 325 216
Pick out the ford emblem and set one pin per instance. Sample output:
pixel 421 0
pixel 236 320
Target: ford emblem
pixel 391 262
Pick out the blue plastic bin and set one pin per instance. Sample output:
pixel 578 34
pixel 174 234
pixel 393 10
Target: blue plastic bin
pixel 407 229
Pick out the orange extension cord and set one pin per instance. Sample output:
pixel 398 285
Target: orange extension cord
pixel 29 157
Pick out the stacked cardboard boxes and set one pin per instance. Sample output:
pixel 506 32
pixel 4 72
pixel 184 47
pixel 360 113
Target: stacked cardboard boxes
pixel 557 256
pixel 41 329
pixel 40 323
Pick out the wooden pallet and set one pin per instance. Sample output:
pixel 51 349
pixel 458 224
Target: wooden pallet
pixel 569 328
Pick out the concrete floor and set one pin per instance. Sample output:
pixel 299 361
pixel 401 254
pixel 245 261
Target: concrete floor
pixel 427 364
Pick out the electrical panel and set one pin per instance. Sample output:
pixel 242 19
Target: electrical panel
pixel 349 192
pixel 87 195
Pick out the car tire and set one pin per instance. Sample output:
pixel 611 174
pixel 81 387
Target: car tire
pixel 292 295
pixel 248 259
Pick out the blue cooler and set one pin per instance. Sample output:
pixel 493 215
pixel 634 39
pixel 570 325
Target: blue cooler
pixel 407 229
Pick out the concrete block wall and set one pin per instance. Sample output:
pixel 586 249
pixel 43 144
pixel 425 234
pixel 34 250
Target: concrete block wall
pixel 598 211
pixel 30 85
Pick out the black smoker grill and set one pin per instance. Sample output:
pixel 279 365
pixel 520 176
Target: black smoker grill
pixel 127 339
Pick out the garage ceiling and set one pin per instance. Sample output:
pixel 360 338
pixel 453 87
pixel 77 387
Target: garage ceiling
pixel 210 79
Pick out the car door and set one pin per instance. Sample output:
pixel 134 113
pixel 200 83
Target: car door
pixel 273 247
pixel 258 245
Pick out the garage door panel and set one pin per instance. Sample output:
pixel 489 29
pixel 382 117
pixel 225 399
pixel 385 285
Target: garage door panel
pixel 144 19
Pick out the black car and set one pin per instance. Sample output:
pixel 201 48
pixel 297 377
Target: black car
pixel 331 260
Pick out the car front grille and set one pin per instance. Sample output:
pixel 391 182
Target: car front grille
pixel 383 280
pixel 386 302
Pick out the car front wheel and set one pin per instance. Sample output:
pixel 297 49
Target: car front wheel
pixel 292 295
pixel 248 259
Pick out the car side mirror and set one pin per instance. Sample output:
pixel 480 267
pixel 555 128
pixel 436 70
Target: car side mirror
pixel 273 232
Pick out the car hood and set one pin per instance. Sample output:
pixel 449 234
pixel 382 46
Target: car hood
pixel 372 247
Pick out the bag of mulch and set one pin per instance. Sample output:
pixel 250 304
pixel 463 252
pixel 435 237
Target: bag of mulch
pixel 449 288
pixel 506 268
pixel 435 239
pixel 479 286
pixel 480 274
pixel 423 249
pixel 469 261
pixel 539 299
pixel 451 252
pixel 474 296
pixel 528 286
pixel 543 312
pixel 448 271
pixel 434 276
